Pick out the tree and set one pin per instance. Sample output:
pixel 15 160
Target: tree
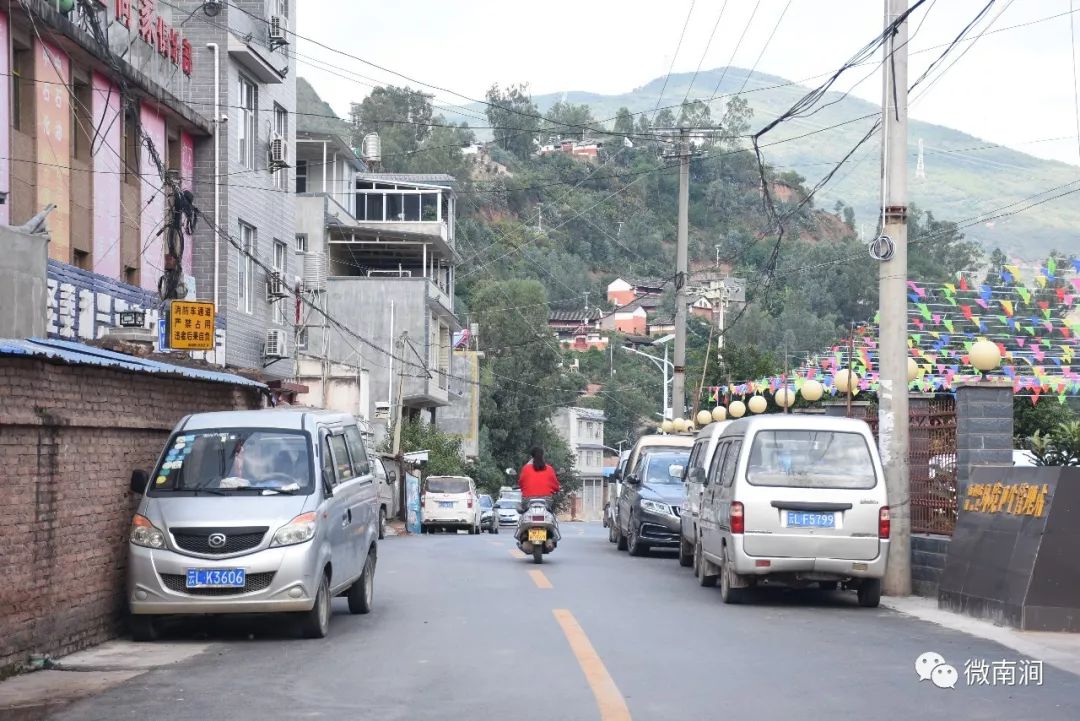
pixel 566 120
pixel 939 250
pixel 695 114
pixel 514 119
pixel 401 116
pixel 444 457
pixel 624 123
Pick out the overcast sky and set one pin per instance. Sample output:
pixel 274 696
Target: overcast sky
pixel 1014 86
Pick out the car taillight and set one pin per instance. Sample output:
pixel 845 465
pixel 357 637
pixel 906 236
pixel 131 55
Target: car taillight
pixel 538 518
pixel 470 503
pixel 738 521
pixel 884 524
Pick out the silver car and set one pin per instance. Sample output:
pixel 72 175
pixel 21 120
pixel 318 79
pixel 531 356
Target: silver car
pixel 254 512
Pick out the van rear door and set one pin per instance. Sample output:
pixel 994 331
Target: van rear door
pixel 812 494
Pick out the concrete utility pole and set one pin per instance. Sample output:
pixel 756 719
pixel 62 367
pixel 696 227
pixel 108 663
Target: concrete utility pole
pixel 893 420
pixel 678 393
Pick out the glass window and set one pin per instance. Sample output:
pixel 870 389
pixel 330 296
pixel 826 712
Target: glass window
pixel 811 459
pixel 281 305
pixel 245 266
pixel 717 463
pixel 731 460
pixel 301 242
pixel 328 469
pixel 659 466
pixel 355 442
pixel 236 461
pixel 341 457
pixel 302 339
pixel 301 176
pixel 246 132
pixel 281 128
pixel 447 484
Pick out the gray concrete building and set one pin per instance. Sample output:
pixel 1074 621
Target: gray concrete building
pixel 583 431
pixel 244 78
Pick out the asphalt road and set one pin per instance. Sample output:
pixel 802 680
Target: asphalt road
pixel 466 628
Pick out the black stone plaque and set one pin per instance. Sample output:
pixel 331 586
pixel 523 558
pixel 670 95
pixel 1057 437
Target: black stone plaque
pixel 1015 554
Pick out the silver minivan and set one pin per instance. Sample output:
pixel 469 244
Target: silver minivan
pixel 273 510
pixel 697 471
pixel 797 500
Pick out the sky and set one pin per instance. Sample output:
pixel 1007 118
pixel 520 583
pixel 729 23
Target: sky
pixel 1014 85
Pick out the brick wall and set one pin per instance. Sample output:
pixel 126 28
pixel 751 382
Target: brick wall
pixel 69 438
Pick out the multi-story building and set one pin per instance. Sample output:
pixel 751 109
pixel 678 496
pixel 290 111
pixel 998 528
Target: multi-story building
pixel 101 106
pixel 583 431
pixel 381 256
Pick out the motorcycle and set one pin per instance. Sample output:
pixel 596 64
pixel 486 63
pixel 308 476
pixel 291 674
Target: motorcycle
pixel 537 532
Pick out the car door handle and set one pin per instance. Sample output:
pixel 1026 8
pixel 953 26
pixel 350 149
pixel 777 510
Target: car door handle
pixel 347 518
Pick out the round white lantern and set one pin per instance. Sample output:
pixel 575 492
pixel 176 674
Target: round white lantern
pixel 758 404
pixel 719 413
pixel 812 391
pixel 737 409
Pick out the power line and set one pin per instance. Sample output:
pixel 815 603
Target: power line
pixel 766 46
pixel 705 52
pixel 674 57
pixel 723 74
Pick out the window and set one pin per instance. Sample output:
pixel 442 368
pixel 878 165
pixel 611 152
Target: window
pixel 131 275
pixel 22 88
pixel 328 470
pixel 302 338
pixel 281 127
pixel 281 305
pixel 246 266
pixel 355 442
pixel 280 7
pixel 82 123
pixel 341 457
pixel 81 259
pixel 130 147
pixel 301 242
pixel 236 461
pixel 811 459
pixel 301 176
pixel 246 133
pixel 731 460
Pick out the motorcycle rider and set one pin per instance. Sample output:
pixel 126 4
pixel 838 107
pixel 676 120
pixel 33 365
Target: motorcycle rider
pixel 537 479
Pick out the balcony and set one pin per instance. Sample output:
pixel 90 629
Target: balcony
pixel 387 202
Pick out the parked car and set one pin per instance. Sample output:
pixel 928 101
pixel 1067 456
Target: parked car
pixel 384 480
pixel 248 512
pixel 507 509
pixel 449 503
pixel 795 500
pixel 611 504
pixel 489 519
pixel 697 471
pixel 651 498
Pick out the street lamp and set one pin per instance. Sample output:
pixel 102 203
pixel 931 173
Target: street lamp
pixel 985 356
pixel 662 363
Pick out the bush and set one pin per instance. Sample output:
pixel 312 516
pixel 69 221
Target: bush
pixel 1059 447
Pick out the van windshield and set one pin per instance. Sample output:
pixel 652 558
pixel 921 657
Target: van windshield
pixel 811 459
pixel 237 461
pixel 448 485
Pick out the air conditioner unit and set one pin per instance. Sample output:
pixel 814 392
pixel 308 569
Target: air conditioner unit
pixel 279 152
pixel 279 28
pixel 276 344
pixel 275 286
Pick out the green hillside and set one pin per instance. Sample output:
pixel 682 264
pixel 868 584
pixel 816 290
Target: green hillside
pixel 964 179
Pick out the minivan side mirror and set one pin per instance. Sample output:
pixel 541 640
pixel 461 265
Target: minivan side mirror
pixel 632 480
pixel 616 474
pixel 139 479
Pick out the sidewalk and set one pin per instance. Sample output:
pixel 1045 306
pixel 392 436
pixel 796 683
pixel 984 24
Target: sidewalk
pixel 1057 649
pixel 35 695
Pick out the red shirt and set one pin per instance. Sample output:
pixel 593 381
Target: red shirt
pixel 537 484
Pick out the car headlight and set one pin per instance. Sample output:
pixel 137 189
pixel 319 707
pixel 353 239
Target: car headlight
pixel 146 534
pixel 298 530
pixel 656 507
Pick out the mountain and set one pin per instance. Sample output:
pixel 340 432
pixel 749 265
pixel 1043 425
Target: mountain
pixel 967 179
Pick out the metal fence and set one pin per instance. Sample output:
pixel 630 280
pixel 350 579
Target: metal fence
pixel 931 463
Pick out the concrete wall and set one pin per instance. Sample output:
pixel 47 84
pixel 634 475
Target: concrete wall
pixel 462 416
pixel 69 438
pixel 928 555
pixel 249 195
pixel 23 260
pixel 347 387
pixel 568 424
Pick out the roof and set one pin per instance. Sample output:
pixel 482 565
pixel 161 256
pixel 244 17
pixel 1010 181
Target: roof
pixel 63 351
pixel 796 421
pixel 571 316
pixel 714 428
pixel 441 179
pixel 289 418
pixel 676 441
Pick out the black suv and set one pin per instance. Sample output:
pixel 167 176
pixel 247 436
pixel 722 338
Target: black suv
pixel 652 494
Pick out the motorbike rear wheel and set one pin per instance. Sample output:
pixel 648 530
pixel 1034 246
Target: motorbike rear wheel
pixel 538 553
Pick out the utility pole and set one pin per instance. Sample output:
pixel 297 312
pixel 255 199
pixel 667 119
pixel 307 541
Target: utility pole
pixel 400 395
pixel 678 401
pixel 893 420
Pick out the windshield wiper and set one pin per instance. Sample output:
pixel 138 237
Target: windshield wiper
pixel 197 491
pixel 281 491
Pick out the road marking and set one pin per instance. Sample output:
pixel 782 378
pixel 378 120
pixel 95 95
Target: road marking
pixel 609 700
pixel 516 553
pixel 540 579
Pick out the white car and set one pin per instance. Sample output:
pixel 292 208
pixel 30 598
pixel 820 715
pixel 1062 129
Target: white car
pixel 507 508
pixel 449 503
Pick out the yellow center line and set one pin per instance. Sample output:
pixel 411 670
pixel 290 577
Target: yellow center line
pixel 540 579
pixel 609 700
pixel 516 553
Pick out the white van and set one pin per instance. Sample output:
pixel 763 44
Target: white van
pixel 449 503
pixel 795 499
pixel 697 471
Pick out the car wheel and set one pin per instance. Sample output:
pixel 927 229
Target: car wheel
pixel 828 585
pixel 704 579
pixel 686 554
pixel 362 592
pixel 495 527
pixel 382 523
pixel 143 628
pixel 635 545
pixel 620 541
pixel 316 622
pixel 870 593
pixel 727 593
pixel 612 533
